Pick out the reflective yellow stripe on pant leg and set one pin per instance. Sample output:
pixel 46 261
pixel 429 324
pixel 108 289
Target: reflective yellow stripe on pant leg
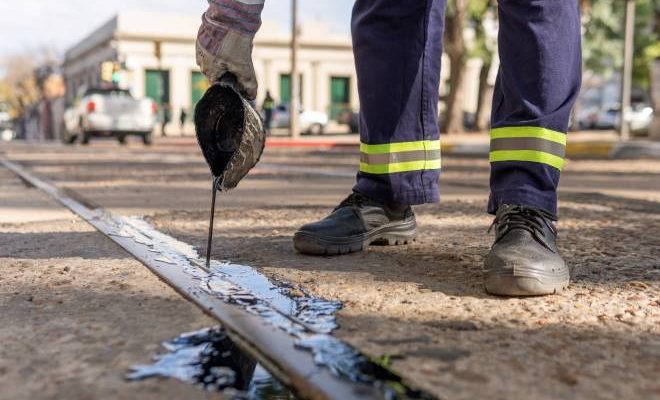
pixel 400 157
pixel 399 147
pixel 399 167
pixel 528 132
pixel 528 143
pixel 527 155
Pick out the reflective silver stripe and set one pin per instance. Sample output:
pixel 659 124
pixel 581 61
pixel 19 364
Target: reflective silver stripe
pixel 536 144
pixel 405 156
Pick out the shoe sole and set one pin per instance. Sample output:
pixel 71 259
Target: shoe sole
pixel 388 235
pixel 528 285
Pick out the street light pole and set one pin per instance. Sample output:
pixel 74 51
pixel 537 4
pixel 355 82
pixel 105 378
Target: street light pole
pixel 295 83
pixel 626 72
pixel 158 52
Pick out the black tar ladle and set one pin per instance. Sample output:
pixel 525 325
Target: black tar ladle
pixel 231 136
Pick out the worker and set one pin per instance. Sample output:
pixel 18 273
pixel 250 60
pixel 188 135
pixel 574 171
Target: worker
pixel 183 117
pixel 167 117
pixel 267 106
pixel 398 49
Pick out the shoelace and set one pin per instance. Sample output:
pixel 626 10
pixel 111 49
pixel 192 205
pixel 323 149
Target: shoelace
pixel 522 217
pixel 354 199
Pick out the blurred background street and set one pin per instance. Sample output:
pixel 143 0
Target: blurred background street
pixel 98 97
pixel 51 85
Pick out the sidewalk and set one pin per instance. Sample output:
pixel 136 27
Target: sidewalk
pixel 584 144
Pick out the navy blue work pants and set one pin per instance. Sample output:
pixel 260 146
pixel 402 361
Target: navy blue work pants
pixel 398 48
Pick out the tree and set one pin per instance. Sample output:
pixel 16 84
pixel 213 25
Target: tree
pixel 19 87
pixel 602 22
pixel 456 50
pixel 19 84
pixel 647 40
pixel 483 16
pixel 461 15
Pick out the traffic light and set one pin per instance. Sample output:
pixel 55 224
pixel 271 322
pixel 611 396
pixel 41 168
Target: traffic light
pixel 116 73
pixel 107 70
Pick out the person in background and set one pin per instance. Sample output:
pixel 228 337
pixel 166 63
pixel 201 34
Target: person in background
pixel 398 51
pixel 183 116
pixel 167 117
pixel 267 106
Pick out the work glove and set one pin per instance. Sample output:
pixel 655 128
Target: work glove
pixel 224 42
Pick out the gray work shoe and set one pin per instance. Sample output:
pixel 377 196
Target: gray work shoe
pixel 356 223
pixel 524 260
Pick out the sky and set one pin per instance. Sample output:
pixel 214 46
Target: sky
pixel 30 25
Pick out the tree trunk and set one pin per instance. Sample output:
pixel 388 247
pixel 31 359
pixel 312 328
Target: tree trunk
pixel 574 123
pixel 455 101
pixel 457 52
pixel 485 99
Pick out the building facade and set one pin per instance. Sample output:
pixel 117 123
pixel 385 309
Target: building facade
pixel 156 58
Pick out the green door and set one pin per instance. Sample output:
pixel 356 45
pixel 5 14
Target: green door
pixel 285 88
pixel 157 86
pixel 198 87
pixel 340 95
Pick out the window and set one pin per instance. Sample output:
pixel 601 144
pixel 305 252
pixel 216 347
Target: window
pixel 157 86
pixel 340 95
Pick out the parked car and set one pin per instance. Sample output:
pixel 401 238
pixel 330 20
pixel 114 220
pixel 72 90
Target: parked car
pixel 608 117
pixel 310 122
pixel 641 117
pixel 109 111
pixel 7 131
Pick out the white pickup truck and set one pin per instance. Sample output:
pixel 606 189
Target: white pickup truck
pixel 109 112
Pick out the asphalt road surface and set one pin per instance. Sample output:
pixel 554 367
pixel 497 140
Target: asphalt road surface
pixel 76 311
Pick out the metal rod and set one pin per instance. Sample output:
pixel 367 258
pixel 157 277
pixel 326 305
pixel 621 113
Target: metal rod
pixel 209 244
pixel 274 348
pixel 295 81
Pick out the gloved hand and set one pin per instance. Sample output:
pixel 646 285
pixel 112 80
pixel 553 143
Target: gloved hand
pixel 224 42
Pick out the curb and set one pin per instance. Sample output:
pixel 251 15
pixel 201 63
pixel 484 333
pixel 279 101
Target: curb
pixel 319 144
pixel 582 149
pixel 602 149
pixel 636 149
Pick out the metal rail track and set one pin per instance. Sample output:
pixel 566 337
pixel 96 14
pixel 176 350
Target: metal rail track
pixel 275 348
